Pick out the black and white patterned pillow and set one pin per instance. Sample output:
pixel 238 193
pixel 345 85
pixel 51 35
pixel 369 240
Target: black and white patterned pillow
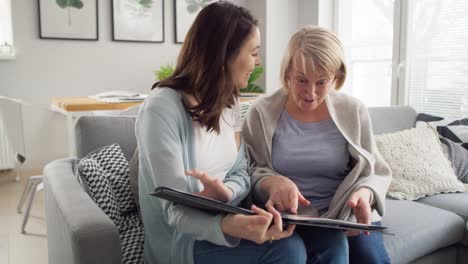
pixel 112 161
pixel 458 157
pixel 97 184
pixel 455 130
pixel 454 138
pixel 104 176
pixel 132 238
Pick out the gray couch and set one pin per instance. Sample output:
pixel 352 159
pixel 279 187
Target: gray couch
pixel 430 230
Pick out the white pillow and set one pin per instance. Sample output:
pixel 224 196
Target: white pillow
pixel 418 165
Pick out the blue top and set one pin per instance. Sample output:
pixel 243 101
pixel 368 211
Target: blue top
pixel 314 156
pixel 165 138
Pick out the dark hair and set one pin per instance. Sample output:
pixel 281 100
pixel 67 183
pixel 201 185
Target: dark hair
pixel 203 67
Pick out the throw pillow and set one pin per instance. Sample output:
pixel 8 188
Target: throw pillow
pixel 97 184
pixel 104 174
pixel 132 239
pixel 116 169
pixel 418 165
pixel 455 130
pixel 458 157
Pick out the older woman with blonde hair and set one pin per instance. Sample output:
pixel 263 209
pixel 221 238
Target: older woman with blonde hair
pixel 312 146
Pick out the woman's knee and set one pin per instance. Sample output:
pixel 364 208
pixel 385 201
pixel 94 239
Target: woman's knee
pixel 337 241
pixel 292 249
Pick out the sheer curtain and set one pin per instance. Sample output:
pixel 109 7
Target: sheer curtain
pixel 437 57
pixel 366 29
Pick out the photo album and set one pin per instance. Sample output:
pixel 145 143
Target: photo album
pixel 216 207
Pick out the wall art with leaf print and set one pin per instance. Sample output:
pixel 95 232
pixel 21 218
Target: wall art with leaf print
pixel 138 20
pixel 68 19
pixel 185 12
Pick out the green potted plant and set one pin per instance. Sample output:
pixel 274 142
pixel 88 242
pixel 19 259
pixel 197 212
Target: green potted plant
pixel 164 72
pixel 253 88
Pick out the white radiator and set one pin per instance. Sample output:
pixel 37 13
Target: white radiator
pixel 11 132
pixel 7 154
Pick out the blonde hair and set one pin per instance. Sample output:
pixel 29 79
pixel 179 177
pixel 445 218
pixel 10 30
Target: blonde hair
pixel 316 48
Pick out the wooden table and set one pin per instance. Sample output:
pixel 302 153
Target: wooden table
pixel 83 104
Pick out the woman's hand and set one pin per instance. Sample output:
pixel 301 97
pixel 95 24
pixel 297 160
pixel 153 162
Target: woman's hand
pixel 213 187
pixel 360 203
pixel 257 228
pixel 283 194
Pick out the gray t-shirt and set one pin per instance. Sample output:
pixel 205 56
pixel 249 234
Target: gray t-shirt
pixel 314 156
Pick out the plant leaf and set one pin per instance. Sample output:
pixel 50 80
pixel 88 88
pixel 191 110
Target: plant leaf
pixel 164 72
pixel 251 87
pixel 256 73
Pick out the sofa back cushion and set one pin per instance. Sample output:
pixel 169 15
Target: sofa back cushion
pixel 392 119
pixel 94 132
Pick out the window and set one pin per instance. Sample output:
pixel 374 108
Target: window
pixel 430 48
pixel 6 30
pixel 437 57
pixel 365 28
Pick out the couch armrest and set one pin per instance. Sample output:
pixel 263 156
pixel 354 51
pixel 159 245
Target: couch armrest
pixel 78 230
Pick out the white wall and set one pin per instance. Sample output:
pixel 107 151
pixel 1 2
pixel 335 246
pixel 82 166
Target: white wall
pixel 282 21
pixel 46 68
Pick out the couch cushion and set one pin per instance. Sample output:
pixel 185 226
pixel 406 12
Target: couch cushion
pixel 455 130
pixel 458 157
pixel 104 174
pixel 419 167
pixel 392 119
pixel 115 169
pixel 93 132
pixel 97 184
pixel 419 229
pixel 132 237
pixel 454 202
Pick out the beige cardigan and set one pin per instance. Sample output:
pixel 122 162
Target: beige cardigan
pixel 352 119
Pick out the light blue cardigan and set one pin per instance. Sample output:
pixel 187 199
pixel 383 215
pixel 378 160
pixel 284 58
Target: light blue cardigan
pixel 165 140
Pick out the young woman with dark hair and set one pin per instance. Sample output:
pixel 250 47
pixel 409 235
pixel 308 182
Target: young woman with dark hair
pixel 188 134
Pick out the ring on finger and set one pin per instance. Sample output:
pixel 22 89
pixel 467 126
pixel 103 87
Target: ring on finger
pixel 271 239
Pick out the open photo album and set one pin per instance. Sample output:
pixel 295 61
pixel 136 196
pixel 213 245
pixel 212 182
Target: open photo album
pixel 216 207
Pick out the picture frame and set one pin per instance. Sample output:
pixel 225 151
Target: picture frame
pixel 185 12
pixel 138 21
pixel 68 20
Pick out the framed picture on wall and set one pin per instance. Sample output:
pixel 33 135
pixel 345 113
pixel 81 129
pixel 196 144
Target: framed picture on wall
pixel 185 12
pixel 68 19
pixel 138 20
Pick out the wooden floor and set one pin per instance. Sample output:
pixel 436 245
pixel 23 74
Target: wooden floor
pixel 16 248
